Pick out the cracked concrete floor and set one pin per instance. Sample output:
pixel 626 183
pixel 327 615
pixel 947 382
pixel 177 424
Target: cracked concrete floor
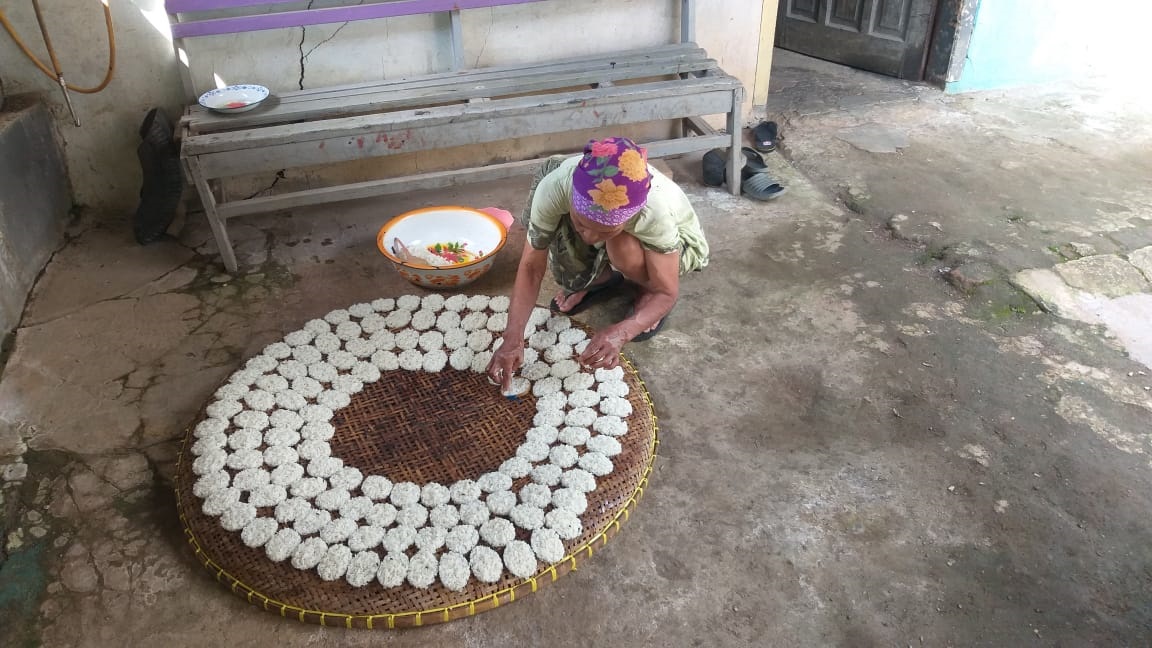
pixel 855 452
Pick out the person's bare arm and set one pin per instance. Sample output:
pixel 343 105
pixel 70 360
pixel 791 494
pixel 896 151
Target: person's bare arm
pixel 510 355
pixel 658 298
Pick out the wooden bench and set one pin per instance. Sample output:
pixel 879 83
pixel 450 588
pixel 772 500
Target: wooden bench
pixel 435 111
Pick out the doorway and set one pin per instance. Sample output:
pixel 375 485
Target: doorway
pixel 889 37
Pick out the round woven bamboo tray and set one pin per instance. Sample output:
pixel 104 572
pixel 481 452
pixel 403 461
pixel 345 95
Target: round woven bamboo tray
pixel 422 427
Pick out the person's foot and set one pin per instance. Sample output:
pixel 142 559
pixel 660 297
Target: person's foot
pixel 651 330
pixel 569 303
pixel 566 302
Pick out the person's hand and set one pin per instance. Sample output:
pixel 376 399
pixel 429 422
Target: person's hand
pixel 505 361
pixel 603 350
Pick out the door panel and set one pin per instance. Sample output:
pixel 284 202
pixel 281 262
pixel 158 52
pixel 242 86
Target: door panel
pixel 892 19
pixel 846 14
pixel 885 36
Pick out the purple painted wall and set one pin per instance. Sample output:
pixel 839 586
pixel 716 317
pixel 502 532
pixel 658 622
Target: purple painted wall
pixel 306 17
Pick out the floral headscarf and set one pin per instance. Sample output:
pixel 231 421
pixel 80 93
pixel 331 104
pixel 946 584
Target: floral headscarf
pixel 611 182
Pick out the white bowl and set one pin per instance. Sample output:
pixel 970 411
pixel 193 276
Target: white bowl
pixel 481 234
pixel 234 98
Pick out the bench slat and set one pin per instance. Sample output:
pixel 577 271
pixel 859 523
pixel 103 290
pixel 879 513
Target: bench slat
pixel 372 188
pixel 327 15
pixel 342 106
pixel 204 120
pixel 201 117
pixel 306 154
pixel 442 115
pixel 439 179
pixel 470 124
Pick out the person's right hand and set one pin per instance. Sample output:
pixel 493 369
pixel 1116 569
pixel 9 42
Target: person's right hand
pixel 504 364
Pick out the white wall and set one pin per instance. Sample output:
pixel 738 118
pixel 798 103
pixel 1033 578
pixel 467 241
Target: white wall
pixel 1018 42
pixel 728 29
pixel 101 154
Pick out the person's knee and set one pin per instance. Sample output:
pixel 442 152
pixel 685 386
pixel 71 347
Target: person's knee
pixel 627 255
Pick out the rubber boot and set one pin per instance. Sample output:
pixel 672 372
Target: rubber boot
pixel 163 184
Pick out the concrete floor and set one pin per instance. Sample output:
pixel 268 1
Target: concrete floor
pixel 871 435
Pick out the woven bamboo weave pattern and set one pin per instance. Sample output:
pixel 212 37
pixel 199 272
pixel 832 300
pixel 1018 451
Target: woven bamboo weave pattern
pixel 409 427
pixel 421 427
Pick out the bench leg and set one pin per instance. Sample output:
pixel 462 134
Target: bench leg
pixel 736 162
pixel 218 225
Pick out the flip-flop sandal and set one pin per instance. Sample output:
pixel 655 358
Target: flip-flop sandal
pixel 753 163
pixel 765 136
pixel 648 335
pixel 761 186
pixel 601 289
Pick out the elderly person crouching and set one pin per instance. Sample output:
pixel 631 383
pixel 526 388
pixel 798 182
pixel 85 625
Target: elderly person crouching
pixel 596 220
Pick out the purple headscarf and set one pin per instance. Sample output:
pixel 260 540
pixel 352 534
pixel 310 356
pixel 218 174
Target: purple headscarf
pixel 611 183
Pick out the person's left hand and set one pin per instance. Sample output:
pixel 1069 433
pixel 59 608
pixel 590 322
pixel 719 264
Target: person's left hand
pixel 603 351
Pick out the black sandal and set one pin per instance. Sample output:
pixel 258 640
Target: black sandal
pixel 765 136
pixel 648 335
pixel 761 186
pixel 753 163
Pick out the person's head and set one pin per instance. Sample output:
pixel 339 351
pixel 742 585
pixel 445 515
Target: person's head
pixel 609 187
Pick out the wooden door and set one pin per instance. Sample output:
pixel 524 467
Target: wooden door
pixel 886 36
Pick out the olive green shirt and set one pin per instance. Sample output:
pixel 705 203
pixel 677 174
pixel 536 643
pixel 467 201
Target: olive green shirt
pixel 666 224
